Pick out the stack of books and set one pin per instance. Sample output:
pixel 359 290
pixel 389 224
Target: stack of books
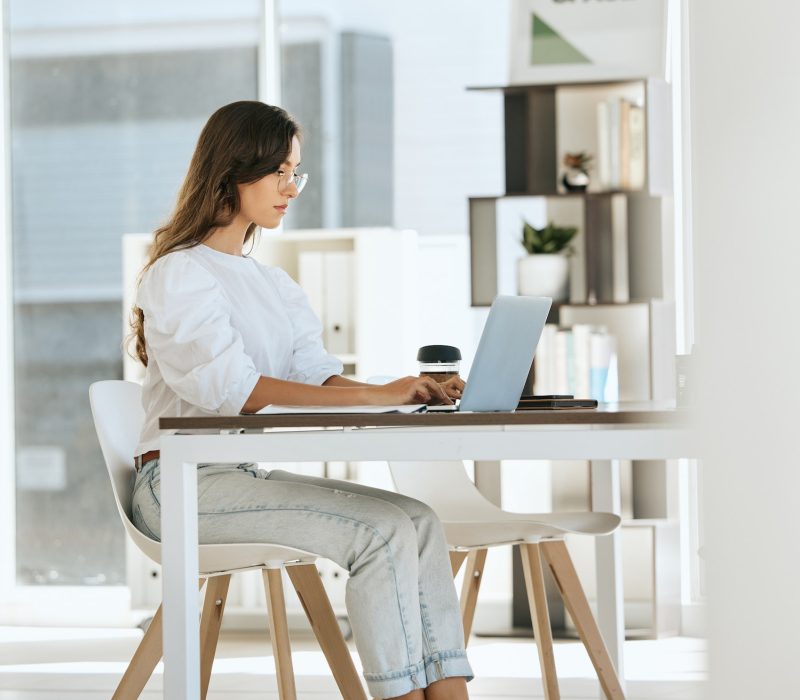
pixel 579 361
pixel 621 144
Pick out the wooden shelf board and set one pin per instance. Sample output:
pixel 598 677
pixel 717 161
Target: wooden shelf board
pixel 601 193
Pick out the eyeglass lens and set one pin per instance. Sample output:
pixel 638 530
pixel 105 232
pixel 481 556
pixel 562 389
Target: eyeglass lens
pixel 299 181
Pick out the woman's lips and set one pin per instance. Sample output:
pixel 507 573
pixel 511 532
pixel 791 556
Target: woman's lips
pixel 282 209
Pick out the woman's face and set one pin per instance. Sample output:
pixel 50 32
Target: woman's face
pixel 265 201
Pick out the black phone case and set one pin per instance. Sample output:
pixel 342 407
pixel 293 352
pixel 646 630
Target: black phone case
pixel 539 404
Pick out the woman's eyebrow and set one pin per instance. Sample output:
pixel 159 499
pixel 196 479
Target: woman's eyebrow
pixel 288 164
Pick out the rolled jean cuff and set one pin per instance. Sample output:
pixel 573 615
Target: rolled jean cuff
pixel 394 683
pixel 447 664
pixel 435 667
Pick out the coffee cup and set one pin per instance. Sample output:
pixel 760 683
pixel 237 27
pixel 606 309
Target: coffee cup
pixel 439 362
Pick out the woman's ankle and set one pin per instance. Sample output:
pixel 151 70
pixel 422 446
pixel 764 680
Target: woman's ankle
pixel 447 689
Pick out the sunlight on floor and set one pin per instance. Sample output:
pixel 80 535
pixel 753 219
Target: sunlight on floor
pixel 41 662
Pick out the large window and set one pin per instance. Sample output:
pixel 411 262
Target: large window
pixel 338 81
pixel 107 100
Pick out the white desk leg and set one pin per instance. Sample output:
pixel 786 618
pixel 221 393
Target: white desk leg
pixel 179 571
pixel 606 497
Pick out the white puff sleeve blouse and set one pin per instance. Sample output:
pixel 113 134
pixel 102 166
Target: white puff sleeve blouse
pixel 213 324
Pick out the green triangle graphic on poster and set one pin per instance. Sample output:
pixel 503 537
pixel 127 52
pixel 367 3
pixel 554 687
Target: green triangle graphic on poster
pixel 549 47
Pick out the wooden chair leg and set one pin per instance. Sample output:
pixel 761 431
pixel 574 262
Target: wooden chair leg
pixel 279 632
pixel 210 621
pixel 473 575
pixel 561 565
pixel 144 661
pixel 305 579
pixel 537 601
pixel 456 560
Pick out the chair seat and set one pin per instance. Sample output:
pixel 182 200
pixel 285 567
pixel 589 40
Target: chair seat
pixel 504 528
pixel 227 558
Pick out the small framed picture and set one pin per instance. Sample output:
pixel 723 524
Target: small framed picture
pixel 565 41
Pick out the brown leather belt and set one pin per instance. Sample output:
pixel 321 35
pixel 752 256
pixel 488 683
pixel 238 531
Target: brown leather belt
pixel 141 460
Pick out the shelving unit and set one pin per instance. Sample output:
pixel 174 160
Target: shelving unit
pixel 542 123
pixel 621 231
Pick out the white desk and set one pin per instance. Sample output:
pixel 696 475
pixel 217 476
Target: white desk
pixel 624 431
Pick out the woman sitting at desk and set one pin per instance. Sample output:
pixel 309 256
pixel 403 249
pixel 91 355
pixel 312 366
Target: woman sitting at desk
pixel 221 334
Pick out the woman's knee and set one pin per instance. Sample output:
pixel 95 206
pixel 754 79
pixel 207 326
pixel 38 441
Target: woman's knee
pixel 400 526
pixel 421 514
pixel 387 533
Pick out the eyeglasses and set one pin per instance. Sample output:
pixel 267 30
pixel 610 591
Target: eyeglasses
pixel 285 179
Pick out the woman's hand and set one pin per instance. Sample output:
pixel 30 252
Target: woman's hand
pixel 409 390
pixel 454 387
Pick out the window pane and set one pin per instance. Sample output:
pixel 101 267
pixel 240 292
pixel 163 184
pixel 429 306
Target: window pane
pixel 339 84
pixel 102 131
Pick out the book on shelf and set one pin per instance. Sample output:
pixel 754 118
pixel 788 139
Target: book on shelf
pixel 624 144
pixel 326 277
pixel 620 286
pixel 603 145
pixel 637 147
pixel 338 305
pixel 621 152
pixel 580 361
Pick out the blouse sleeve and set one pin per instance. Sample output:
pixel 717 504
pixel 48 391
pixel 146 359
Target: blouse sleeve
pixel 311 364
pixel 188 333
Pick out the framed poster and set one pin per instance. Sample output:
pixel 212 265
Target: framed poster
pixel 562 41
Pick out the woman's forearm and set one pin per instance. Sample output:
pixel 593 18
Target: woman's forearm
pixel 278 391
pixel 338 380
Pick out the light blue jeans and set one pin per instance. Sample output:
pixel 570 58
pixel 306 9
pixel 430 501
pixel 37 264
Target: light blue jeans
pixel 400 596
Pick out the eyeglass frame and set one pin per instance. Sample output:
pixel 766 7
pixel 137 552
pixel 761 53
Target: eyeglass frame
pixel 299 180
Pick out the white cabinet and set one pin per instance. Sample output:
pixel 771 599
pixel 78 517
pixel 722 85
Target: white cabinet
pixel 367 296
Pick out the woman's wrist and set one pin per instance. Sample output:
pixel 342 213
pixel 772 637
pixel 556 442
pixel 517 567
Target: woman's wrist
pixel 368 395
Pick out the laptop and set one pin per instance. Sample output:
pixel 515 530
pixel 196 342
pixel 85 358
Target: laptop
pixel 504 356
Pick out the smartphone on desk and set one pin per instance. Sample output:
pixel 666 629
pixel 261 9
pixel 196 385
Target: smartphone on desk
pixel 533 403
pixel 542 397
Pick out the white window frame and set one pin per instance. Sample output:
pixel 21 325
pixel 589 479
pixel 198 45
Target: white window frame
pixel 7 457
pixel 692 588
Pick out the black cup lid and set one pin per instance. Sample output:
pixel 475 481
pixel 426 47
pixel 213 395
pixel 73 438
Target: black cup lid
pixel 438 353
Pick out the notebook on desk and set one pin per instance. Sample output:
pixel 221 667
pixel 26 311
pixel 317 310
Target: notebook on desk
pixel 504 356
pixel 275 409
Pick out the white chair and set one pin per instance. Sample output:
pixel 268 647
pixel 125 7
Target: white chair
pixel 118 416
pixel 472 524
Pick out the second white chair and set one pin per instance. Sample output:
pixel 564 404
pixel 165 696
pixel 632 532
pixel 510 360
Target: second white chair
pixel 472 524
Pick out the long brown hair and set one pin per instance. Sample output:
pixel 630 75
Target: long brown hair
pixel 241 143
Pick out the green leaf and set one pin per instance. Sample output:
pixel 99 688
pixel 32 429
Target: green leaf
pixel 548 240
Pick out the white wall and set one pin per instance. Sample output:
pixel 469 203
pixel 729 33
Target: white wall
pixel 448 142
pixel 746 112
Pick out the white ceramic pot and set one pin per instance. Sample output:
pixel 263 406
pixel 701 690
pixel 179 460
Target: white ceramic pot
pixel 543 275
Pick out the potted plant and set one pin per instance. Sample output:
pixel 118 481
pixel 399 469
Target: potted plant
pixel 576 177
pixel 545 270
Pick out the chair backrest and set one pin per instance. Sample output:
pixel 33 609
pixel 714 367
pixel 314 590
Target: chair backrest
pixel 118 418
pixel 445 487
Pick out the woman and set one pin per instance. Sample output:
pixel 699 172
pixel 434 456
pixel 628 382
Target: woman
pixel 219 333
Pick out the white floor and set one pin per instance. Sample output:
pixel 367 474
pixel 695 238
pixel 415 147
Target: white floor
pixel 85 664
